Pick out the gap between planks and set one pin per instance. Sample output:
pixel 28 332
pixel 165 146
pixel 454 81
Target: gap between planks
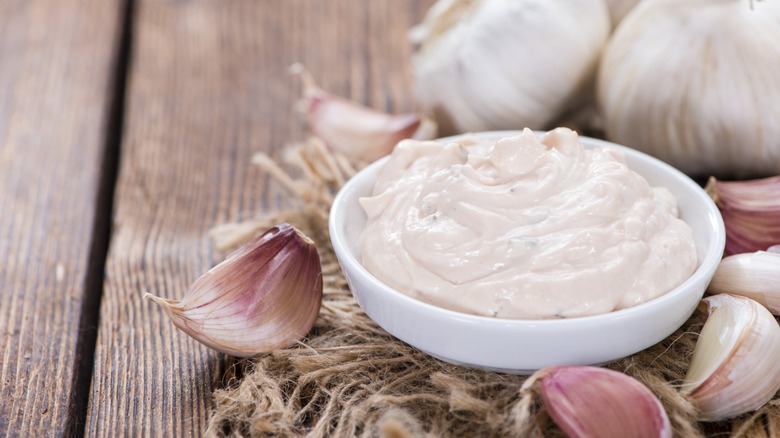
pixel 101 233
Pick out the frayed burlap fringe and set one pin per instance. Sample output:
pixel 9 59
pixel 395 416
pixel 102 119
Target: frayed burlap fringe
pixel 350 378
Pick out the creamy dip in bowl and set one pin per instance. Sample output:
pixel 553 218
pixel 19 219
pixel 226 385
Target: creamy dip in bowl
pixel 525 343
pixel 525 227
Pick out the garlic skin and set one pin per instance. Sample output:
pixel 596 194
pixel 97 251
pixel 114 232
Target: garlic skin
pixel 753 275
pixel 619 8
pixel 586 401
pixel 360 133
pixel 750 210
pixel 265 296
pixel 694 83
pixel 505 64
pixel 734 366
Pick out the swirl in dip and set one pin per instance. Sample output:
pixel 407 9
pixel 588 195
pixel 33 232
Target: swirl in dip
pixel 524 227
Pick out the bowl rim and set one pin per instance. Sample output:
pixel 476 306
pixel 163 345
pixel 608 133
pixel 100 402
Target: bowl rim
pixel 716 231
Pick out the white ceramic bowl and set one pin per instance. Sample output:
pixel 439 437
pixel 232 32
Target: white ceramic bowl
pixel 522 346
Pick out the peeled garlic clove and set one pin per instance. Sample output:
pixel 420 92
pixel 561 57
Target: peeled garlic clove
pixel 486 64
pixel 753 275
pixel 750 210
pixel 266 295
pixel 359 133
pixel 734 366
pixel 587 401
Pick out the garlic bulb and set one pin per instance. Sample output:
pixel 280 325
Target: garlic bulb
pixel 360 133
pixel 266 295
pixel 753 275
pixel 750 210
pixel 694 83
pixel 506 64
pixel 587 401
pixel 734 366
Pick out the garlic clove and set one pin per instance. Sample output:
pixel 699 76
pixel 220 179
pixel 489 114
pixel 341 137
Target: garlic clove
pixel 753 275
pixel 586 401
pixel 734 366
pixel 265 296
pixel 360 133
pixel 750 210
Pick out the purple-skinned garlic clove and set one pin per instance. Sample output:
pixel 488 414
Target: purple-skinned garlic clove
pixel 264 296
pixel 750 210
pixel 359 133
pixel 734 365
pixel 587 401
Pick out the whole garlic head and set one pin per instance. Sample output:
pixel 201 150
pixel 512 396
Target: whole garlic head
pixel 506 64
pixel 695 83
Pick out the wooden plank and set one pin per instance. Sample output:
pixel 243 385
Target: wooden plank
pixel 208 87
pixel 57 71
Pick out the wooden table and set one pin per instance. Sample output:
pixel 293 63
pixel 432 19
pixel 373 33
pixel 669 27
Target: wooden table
pixel 126 130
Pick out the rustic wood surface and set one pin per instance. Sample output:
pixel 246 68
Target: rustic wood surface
pixel 164 101
pixel 58 69
pixel 207 87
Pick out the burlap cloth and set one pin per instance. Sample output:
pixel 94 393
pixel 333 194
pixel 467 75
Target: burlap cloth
pixel 351 378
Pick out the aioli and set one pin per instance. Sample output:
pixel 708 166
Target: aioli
pixel 523 228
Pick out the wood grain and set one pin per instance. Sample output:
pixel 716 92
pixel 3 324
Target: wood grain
pixel 57 72
pixel 208 87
